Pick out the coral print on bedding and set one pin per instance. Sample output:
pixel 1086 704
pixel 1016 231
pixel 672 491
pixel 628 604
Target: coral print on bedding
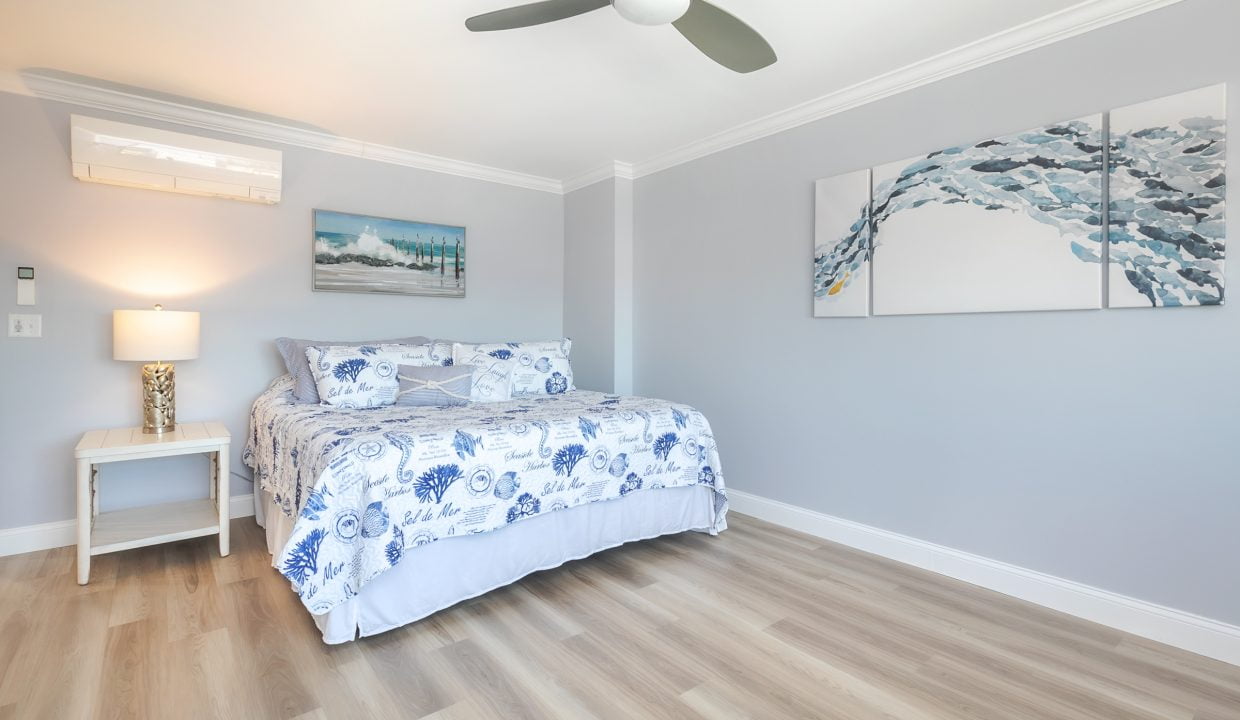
pixel 368 488
pixel 539 368
pixel 362 376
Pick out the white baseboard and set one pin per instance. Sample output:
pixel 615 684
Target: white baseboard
pixel 64 532
pixel 1166 625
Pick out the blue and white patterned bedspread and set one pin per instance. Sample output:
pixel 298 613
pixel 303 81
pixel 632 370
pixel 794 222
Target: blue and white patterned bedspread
pixel 368 486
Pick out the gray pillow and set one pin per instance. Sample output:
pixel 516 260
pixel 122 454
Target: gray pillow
pixel 294 353
pixel 434 385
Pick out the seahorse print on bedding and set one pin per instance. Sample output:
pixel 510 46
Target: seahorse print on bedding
pixel 544 429
pixel 404 443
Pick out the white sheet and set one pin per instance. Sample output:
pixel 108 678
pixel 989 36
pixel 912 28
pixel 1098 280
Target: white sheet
pixel 455 569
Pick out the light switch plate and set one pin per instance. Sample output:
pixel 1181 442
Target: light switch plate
pixel 28 326
pixel 25 292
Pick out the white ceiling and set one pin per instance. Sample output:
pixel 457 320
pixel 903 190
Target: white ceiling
pixel 554 101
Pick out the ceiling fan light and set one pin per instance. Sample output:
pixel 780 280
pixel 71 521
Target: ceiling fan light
pixel 651 12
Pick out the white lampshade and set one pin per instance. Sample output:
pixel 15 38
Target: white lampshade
pixel 154 335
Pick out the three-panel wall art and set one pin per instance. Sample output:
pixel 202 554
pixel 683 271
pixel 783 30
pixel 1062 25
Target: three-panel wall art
pixel 1032 221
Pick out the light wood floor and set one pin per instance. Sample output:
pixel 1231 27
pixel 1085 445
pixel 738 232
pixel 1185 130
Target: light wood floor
pixel 760 623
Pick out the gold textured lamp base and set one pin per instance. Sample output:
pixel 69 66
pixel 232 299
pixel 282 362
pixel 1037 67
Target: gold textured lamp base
pixel 159 403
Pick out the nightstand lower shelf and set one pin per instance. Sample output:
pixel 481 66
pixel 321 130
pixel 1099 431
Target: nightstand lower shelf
pixel 100 533
pixel 154 524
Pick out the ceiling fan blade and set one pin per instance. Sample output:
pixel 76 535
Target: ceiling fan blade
pixel 532 14
pixel 724 39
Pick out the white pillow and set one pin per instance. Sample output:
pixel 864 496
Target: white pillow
pixel 540 368
pixel 362 376
pixel 492 380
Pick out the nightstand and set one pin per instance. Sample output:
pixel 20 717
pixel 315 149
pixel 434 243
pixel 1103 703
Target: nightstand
pixel 100 533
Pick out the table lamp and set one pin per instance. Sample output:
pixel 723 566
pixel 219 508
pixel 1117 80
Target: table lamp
pixel 156 335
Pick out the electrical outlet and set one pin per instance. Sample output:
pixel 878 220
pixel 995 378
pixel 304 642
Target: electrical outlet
pixel 28 326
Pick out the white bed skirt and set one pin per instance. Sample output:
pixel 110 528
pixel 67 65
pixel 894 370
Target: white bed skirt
pixel 433 577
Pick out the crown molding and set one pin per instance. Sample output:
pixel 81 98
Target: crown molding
pixel 615 169
pixel 589 177
pixel 92 96
pixel 1069 22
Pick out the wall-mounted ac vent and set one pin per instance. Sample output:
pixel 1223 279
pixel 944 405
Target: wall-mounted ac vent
pixel 118 153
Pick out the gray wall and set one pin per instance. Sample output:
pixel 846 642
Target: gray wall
pixel 623 241
pixel 1097 446
pixel 589 283
pixel 245 267
pixel 598 284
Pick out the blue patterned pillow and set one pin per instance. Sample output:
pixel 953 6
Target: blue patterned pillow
pixel 361 376
pixel 539 368
pixel 294 353
pixel 434 386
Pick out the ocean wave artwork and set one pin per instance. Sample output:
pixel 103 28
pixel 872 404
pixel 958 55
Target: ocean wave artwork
pixel 360 253
pixel 1017 223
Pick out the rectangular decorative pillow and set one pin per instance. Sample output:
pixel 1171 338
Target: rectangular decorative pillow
pixel 294 353
pixel 492 378
pixel 362 376
pixel 541 368
pixel 434 386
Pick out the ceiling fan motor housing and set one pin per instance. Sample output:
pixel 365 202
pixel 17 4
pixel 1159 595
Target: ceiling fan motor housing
pixel 651 12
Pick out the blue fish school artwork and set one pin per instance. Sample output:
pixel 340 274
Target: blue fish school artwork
pixel 1017 222
pixel 361 253
pixel 1167 196
pixel 842 210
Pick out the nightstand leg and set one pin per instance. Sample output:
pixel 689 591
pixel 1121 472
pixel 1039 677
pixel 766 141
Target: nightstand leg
pixel 84 516
pixel 221 496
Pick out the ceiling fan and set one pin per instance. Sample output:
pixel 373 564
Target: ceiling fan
pixel 719 35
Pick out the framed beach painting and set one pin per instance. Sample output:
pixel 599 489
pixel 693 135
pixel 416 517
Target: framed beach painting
pixel 362 253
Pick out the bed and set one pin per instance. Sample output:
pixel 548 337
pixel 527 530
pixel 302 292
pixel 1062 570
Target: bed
pixel 382 517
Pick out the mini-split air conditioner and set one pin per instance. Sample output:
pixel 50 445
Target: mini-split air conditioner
pixel 117 153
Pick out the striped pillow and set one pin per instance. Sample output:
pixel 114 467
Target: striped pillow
pixel 434 386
